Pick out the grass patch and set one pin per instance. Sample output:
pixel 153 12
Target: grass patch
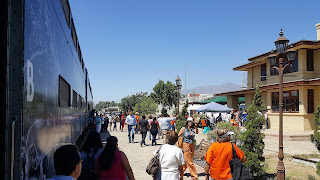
pixel 294 171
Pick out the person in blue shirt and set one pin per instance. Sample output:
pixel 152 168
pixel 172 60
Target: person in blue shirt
pixel 98 123
pixel 131 122
pixel 67 163
pixel 244 117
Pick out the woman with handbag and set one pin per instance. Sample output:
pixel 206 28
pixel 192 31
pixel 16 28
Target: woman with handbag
pixel 188 147
pixel 113 164
pixel 90 151
pixel 219 154
pixel 171 159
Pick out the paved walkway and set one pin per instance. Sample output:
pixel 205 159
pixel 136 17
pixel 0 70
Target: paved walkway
pixel 139 156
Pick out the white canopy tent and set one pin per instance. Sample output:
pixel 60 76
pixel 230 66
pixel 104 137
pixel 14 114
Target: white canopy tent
pixel 193 107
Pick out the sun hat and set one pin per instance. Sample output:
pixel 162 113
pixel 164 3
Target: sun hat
pixel 227 134
pixel 136 113
pixel 189 119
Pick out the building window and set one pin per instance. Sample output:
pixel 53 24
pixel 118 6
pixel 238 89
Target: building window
pixel 290 101
pixel 292 68
pixel 310 101
pixel 263 72
pixel 64 93
pixel 310 66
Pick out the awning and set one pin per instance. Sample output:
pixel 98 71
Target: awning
pixel 213 107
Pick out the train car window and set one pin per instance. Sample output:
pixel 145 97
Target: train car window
pixel 79 53
pixel 64 93
pixel 80 102
pixel 66 9
pixel 83 66
pixel 74 99
pixel 74 35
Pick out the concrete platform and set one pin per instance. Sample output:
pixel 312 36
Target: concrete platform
pixel 289 135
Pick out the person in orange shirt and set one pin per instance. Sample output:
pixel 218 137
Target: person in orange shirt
pixel 137 121
pixel 219 154
pixel 203 122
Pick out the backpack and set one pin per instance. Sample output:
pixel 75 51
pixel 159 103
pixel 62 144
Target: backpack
pixel 86 172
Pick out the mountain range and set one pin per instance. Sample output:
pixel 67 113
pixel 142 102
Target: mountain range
pixel 213 89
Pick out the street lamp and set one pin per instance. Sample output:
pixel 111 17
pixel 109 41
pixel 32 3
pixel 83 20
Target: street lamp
pixel 281 46
pixel 178 87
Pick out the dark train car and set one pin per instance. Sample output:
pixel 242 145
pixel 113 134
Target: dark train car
pixel 45 91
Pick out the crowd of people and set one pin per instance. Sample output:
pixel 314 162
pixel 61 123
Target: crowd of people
pixel 93 161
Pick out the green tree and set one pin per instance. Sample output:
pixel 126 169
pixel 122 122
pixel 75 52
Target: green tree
pixel 252 138
pixel 127 103
pixel 315 137
pixel 147 106
pixel 105 104
pixel 164 94
pixel 181 121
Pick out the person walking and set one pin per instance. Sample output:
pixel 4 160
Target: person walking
pixel 112 163
pixel 102 123
pixel 110 121
pixel 244 117
pixel 115 119
pixel 149 121
pixel 137 121
pixel 188 147
pixel 171 159
pixel 219 154
pixel 165 125
pixel 154 130
pixel 106 122
pixel 143 125
pixel 97 122
pixel 219 118
pixel 131 122
pixel 203 123
pixel 123 121
pixel 89 152
pixel 266 120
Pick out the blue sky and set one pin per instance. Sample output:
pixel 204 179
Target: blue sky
pixel 128 45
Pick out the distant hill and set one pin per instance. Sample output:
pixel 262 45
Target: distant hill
pixel 214 89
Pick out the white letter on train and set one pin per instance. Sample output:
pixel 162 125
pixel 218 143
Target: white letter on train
pixel 30 85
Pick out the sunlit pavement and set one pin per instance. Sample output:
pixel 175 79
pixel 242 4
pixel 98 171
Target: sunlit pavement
pixel 139 157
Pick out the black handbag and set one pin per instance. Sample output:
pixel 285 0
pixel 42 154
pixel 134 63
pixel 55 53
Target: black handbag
pixel 154 164
pixel 238 170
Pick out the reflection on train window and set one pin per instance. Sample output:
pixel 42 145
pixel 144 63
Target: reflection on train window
pixel 80 102
pixel 74 99
pixel 64 93
pixel 74 35
pixel 66 9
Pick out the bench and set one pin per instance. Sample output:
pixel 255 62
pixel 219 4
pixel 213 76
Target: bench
pixel 200 151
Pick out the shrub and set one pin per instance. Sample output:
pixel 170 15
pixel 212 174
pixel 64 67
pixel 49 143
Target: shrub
pixel 181 121
pixel 315 137
pixel 212 135
pixel 252 138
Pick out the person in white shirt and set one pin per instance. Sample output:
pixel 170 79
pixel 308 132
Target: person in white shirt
pixel 164 123
pixel 131 122
pixel 171 159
